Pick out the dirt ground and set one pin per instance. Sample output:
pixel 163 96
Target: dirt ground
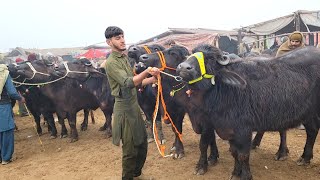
pixel 95 157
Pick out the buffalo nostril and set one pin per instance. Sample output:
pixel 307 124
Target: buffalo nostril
pixel 144 57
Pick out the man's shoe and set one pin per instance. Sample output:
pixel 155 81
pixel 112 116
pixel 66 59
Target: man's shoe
pixel 6 162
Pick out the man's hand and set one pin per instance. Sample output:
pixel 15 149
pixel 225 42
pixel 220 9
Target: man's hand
pixel 153 71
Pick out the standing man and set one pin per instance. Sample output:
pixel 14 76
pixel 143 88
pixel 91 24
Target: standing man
pixel 295 41
pixel 7 91
pixel 128 125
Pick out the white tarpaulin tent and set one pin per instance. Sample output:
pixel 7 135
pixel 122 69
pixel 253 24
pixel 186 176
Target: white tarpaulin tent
pixel 309 21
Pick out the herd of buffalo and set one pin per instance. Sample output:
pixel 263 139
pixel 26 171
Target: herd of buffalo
pixel 231 98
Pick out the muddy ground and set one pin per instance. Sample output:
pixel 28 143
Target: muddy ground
pixel 95 157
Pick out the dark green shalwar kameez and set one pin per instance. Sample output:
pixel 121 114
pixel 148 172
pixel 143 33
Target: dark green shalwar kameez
pixel 128 124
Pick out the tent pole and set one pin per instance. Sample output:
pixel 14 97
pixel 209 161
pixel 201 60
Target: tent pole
pixel 297 20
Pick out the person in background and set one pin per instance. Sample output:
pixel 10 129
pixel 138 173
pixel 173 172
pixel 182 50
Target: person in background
pixel 8 92
pixel 294 41
pixel 255 49
pixel 261 47
pixel 128 124
pixel 169 43
pixel 243 49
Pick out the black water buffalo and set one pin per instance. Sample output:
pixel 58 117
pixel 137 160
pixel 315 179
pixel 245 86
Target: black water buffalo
pixel 179 102
pixel 92 81
pixel 283 150
pixel 175 111
pixel 247 96
pixel 36 102
pixel 65 93
pixel 146 94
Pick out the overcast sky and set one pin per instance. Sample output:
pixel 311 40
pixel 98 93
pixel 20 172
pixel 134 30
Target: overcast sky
pixel 74 23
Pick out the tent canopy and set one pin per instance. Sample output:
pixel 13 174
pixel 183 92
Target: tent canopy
pixel 93 54
pixel 309 21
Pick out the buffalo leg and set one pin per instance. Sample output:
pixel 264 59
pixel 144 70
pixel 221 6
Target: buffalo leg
pixel 214 153
pixel 240 147
pixel 64 131
pixel 51 124
pixel 73 126
pixel 236 168
pixel 207 138
pixel 312 132
pixel 283 151
pixel 92 117
pixel 257 140
pixel 108 115
pixel 149 121
pixel 84 124
pixel 46 120
pixel 178 145
pixel 37 121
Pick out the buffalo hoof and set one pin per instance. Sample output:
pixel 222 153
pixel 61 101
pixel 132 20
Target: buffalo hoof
pixel 73 140
pixel 63 136
pixel 178 155
pixel 280 158
pixel 212 161
pixel 163 141
pixel 53 136
pixel 173 148
pixel 200 169
pixel 302 162
pixel 234 177
pixel 281 155
pixel 254 146
pixel 108 135
pixel 84 128
pixel 102 128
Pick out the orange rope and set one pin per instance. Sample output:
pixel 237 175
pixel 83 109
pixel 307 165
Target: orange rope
pixel 161 147
pixel 163 62
pixel 147 49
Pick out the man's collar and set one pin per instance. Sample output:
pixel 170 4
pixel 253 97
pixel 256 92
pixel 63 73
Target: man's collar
pixel 118 54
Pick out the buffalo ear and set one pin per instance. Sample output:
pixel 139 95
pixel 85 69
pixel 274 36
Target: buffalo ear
pixel 233 79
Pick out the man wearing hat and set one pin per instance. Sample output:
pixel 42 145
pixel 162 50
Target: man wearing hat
pixel 295 41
